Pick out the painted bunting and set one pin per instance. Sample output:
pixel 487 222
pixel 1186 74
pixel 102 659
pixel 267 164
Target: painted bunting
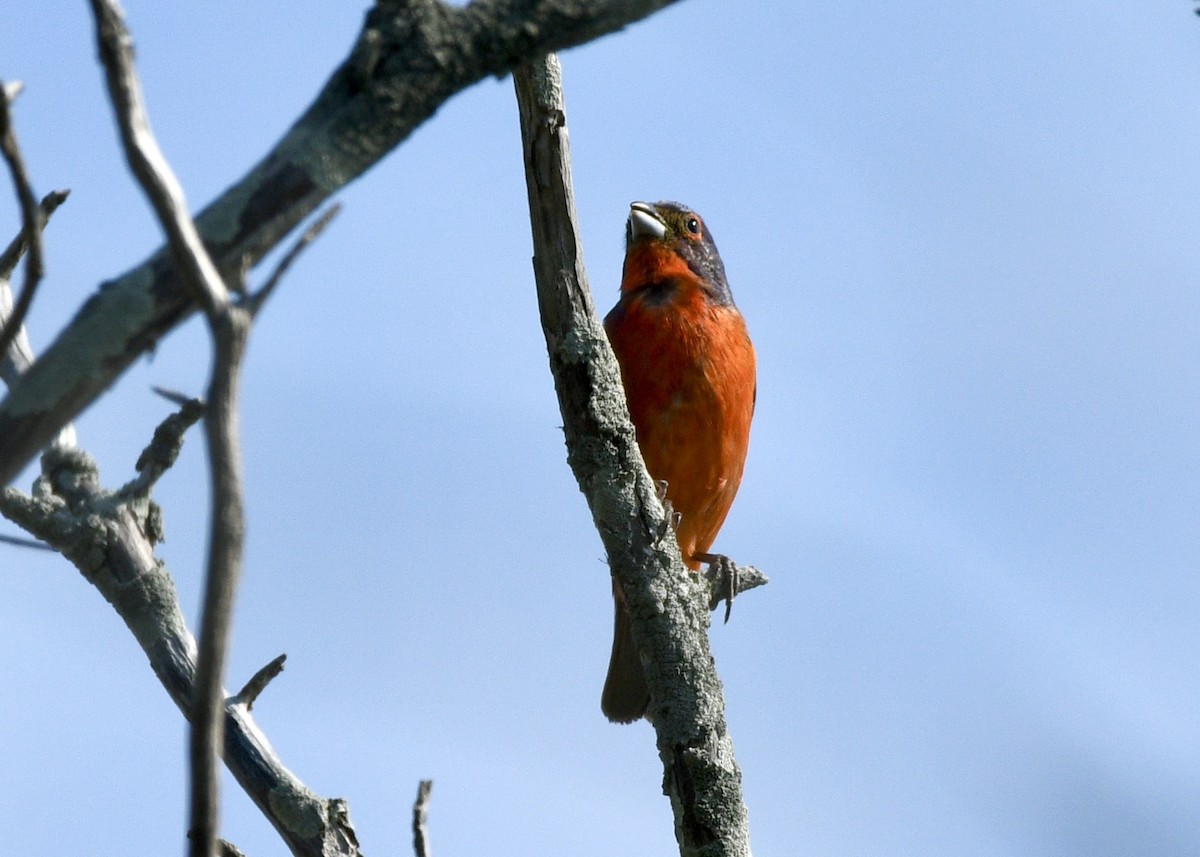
pixel 689 373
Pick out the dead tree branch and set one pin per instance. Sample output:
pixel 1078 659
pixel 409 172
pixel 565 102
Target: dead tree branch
pixel 255 302
pixel 110 538
pixel 230 328
pixel 16 248
pixel 668 605
pixel 410 57
pixel 259 681
pixel 31 226
pixel 16 354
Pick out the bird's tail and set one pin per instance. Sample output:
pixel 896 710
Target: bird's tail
pixel 625 697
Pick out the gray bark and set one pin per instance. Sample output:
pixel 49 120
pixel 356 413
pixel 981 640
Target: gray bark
pixel 110 538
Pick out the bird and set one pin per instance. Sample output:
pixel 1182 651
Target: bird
pixel 689 372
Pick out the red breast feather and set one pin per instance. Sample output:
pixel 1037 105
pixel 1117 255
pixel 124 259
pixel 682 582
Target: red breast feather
pixel 689 373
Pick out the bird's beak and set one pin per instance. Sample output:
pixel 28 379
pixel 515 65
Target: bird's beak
pixel 644 222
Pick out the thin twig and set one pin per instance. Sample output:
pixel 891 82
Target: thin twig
pixel 258 682
pixel 173 396
pixel 17 358
pixel 254 302
pixel 420 814
pixel 30 227
pixel 16 248
pixel 230 326
pixel 226 538
pixel 146 160
pixel 17 541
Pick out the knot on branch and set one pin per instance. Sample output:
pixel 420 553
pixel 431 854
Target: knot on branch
pixel 680 780
pixel 339 837
pixel 325 824
pixel 68 473
pixel 404 36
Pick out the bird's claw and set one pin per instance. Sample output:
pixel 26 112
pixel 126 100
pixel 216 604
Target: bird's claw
pixel 673 518
pixel 724 578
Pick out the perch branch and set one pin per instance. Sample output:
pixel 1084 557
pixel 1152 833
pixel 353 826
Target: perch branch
pixel 668 605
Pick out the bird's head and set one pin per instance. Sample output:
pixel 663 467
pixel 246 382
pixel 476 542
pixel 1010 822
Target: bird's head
pixel 665 243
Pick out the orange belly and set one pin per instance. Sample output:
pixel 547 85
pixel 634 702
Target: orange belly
pixel 689 373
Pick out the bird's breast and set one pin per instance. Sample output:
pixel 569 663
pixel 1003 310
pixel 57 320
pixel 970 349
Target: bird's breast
pixel 689 373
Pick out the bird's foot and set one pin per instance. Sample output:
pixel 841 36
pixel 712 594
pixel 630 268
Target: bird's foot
pixel 673 517
pixel 723 577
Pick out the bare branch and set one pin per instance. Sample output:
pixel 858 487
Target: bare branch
pixel 255 302
pixel 667 604
pixel 16 248
pixel 109 543
pixel 111 539
pixel 173 396
pixel 258 683
pixel 160 454
pixel 409 59
pixel 31 229
pixel 16 359
pixel 420 814
pixel 227 529
pixel 146 160
pixel 230 326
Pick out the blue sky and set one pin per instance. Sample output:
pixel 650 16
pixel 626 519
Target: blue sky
pixel 964 239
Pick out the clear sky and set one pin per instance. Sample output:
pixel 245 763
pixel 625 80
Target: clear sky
pixel 964 236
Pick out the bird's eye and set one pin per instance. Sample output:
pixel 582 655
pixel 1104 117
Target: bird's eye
pixel 693 225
